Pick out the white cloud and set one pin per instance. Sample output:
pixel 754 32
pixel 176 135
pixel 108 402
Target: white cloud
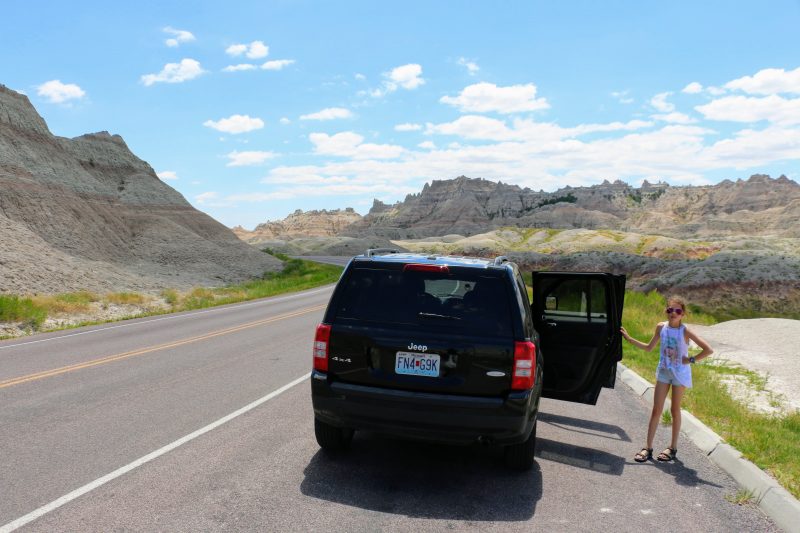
pixel 768 81
pixel 285 120
pixel 248 159
pixel 673 151
pixel 236 49
pixel 487 97
pixel 583 129
pixel 471 66
pixel 277 64
pixel 213 199
pixel 360 77
pixel 659 101
pixel 407 76
pixel 772 108
pixel 235 124
pixel 756 148
pixel 240 67
pixel 254 50
pixel 350 144
pixel 622 96
pixel 329 113
pixel 407 127
pixel 692 88
pixel 257 50
pixel 343 143
pixel 378 151
pixel 58 93
pixel 255 197
pixel 167 175
pixel 477 127
pixel 203 197
pixel 539 155
pixel 473 127
pixel 675 118
pixel 179 36
pixel 186 70
pixel 715 91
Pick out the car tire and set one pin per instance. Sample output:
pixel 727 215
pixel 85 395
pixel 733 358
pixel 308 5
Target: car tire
pixel 520 456
pixel 331 437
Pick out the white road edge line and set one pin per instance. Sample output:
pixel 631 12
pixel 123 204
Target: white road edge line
pixel 171 317
pixel 77 493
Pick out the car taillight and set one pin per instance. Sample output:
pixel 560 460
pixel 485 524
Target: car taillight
pixel 321 343
pixel 524 374
pixel 422 267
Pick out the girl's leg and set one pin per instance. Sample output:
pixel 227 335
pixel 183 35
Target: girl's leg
pixel 675 409
pixel 659 395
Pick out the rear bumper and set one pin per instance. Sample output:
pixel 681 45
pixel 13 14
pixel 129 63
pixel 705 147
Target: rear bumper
pixel 416 415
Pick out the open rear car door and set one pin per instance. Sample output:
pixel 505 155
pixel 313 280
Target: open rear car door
pixel 578 316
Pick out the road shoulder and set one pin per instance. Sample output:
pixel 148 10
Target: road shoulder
pixel 774 500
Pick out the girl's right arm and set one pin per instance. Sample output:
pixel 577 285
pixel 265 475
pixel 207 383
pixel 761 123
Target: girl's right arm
pixel 639 344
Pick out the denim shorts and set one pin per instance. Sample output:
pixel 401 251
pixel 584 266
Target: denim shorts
pixel 665 375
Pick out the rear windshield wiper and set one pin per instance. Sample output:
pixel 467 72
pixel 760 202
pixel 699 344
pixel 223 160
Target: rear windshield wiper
pixel 436 315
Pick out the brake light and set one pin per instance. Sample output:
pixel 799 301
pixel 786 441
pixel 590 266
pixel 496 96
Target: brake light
pixel 523 376
pixel 321 344
pixel 421 267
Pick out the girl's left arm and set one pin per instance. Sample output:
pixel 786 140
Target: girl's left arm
pixel 706 350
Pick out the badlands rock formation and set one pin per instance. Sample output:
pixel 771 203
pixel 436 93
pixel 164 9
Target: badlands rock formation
pixel 86 213
pixel 316 223
pixel 757 206
pixel 733 245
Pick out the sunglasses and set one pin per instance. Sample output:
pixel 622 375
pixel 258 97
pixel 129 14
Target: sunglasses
pixel 677 310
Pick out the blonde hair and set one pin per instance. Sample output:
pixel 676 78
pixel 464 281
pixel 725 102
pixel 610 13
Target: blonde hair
pixel 678 300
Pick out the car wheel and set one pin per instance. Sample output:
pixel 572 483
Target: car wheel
pixel 331 437
pixel 520 456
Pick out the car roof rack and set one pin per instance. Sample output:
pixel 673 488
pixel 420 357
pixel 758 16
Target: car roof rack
pixel 500 259
pixel 380 251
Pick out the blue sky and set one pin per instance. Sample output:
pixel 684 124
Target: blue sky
pixel 254 109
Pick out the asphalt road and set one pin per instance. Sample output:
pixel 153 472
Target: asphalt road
pixel 78 406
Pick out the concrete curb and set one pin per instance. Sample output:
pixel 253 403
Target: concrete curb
pixel 773 499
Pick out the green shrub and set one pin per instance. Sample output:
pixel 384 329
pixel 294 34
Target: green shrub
pixel 170 296
pixel 16 309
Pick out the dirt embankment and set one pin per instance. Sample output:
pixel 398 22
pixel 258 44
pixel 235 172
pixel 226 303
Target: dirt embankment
pixel 87 214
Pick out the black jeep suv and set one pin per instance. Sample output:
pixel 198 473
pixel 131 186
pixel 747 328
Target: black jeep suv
pixel 451 349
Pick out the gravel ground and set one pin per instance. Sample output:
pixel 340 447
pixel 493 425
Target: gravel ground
pixel 768 346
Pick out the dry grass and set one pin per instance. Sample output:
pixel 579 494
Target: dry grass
pixel 64 304
pixel 124 298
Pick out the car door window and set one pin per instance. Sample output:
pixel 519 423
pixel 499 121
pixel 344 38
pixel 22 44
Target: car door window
pixel 580 300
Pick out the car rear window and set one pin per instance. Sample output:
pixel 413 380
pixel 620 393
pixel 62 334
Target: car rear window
pixel 469 302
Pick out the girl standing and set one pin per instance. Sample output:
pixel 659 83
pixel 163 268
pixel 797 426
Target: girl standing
pixel 674 370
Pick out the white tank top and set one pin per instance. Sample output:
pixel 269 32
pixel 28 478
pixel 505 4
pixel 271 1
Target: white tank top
pixel 673 349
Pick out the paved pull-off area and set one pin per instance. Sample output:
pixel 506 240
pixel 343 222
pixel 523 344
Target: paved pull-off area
pixel 82 404
pixel 767 346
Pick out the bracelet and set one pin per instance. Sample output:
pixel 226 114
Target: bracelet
pixel 691 360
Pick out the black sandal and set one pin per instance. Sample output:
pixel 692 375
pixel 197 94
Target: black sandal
pixel 643 455
pixel 667 455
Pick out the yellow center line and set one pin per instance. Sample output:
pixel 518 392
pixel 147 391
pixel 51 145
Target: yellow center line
pixel 142 351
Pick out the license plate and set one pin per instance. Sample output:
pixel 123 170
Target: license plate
pixel 417 364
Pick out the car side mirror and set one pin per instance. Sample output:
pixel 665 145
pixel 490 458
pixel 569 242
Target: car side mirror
pixel 551 303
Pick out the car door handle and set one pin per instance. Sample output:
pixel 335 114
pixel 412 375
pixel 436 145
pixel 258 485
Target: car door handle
pixel 550 323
